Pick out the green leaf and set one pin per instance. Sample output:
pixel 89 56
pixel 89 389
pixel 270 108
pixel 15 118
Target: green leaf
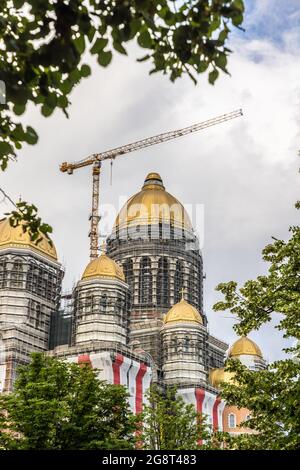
pixel 85 70
pixel 80 44
pixel 144 39
pixel 104 58
pixel 18 3
pixel 221 60
pixel 5 149
pixel 99 45
pixel 237 19
pixel 239 4
pixel 66 86
pixel 20 96
pixel 223 35
pixel 145 57
pixel 63 102
pixel 19 109
pixel 212 77
pixel 91 33
pixel 46 110
pixel 51 100
pixel 118 46
pixel 31 136
pixel 202 66
pixel 18 132
pixel 135 26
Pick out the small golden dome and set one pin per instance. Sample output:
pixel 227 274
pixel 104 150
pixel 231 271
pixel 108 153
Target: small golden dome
pixel 103 266
pixel 246 346
pixel 153 205
pixel 183 312
pixel 14 237
pixel 216 376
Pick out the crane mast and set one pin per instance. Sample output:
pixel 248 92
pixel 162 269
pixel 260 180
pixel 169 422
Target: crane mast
pixel 96 159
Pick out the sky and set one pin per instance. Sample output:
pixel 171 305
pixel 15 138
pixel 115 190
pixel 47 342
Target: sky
pixel 243 174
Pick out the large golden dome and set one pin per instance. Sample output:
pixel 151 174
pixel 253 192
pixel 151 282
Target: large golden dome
pixel 14 237
pixel 216 376
pixel 183 312
pixel 103 266
pixel 152 205
pixel 244 346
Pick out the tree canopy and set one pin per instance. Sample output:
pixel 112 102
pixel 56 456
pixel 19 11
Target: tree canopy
pixel 44 46
pixel 171 424
pixel 271 395
pixel 59 405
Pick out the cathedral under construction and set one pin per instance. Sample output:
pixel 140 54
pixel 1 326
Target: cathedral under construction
pixel 136 314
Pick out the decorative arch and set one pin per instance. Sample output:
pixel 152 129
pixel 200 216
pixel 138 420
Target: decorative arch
pixel 231 420
pixel 174 345
pixel 186 344
pixel 178 281
pixel 145 281
pixel 3 272
pixel 129 274
pixel 103 303
pixel 17 273
pixel 163 283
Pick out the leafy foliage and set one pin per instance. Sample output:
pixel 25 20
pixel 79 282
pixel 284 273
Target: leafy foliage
pixel 170 424
pixel 26 215
pixel 271 395
pixel 43 44
pixel 58 405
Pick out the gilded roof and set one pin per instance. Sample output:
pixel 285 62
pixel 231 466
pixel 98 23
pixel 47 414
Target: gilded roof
pixel 103 266
pixel 183 312
pixel 246 346
pixel 14 237
pixel 152 205
pixel 216 376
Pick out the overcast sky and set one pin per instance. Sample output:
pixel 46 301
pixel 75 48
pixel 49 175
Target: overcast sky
pixel 244 172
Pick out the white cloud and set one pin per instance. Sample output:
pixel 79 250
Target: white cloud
pixel 244 171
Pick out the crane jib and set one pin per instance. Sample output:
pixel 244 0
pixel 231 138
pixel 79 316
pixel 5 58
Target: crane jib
pixel 128 148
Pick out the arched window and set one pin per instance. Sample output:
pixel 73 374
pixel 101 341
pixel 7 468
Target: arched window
pixel 186 344
pixel 118 309
pixel 79 299
pixel 178 281
pixel 32 278
pixel 17 274
pixel 103 303
pixel 192 281
pixel 163 283
pixel 145 284
pixel 128 273
pixel 231 420
pixel 3 273
pixel 38 315
pixel 88 302
pixel 174 346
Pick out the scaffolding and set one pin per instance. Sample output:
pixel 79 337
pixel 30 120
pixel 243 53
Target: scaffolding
pixel 29 294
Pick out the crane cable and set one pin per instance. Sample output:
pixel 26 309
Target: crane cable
pixel 111 172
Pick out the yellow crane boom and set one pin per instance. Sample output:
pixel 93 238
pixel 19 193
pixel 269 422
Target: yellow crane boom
pixel 97 158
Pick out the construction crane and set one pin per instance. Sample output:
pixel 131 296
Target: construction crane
pixel 96 160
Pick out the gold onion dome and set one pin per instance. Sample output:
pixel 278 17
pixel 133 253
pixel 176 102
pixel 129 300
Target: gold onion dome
pixel 183 312
pixel 14 237
pixel 103 266
pixel 153 205
pixel 244 346
pixel 217 376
